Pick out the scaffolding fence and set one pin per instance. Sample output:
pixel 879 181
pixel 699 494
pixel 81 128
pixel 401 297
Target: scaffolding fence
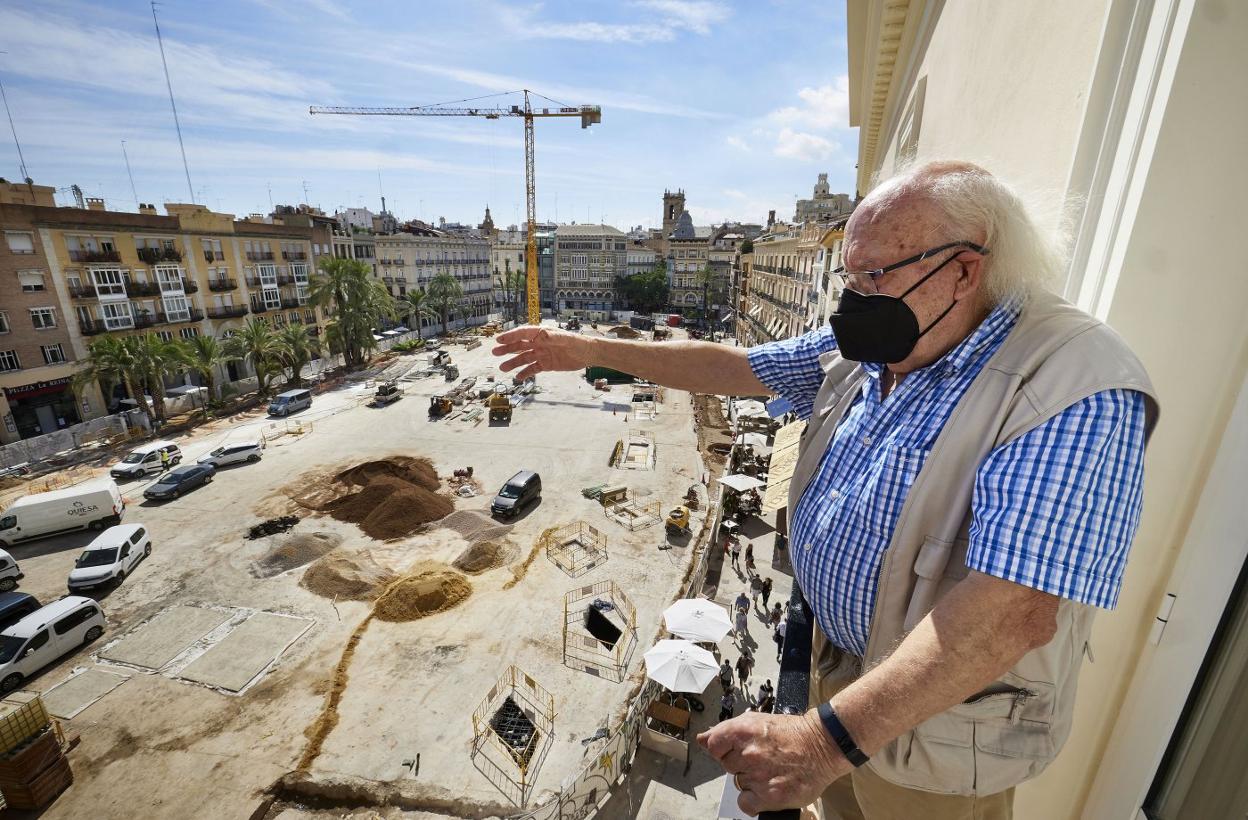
pixel 512 731
pixel 575 548
pixel 599 630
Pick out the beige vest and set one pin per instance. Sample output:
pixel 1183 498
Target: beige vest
pixel 1055 356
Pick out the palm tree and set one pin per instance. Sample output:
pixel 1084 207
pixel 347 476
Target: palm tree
pixel 295 348
pixel 114 360
pixel 446 296
pixel 358 303
pixel 257 343
pixel 416 302
pixel 157 358
pixel 204 354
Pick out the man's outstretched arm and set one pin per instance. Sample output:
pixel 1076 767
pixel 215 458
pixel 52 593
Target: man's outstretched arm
pixel 699 367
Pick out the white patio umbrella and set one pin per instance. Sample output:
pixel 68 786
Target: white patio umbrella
pixel 681 666
pixel 742 483
pixel 697 619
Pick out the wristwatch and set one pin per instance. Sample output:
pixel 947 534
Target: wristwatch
pixel 840 735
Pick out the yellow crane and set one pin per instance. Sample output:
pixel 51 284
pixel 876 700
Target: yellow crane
pixel 589 115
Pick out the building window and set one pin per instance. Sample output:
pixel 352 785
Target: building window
pixel 165 335
pixel 177 308
pixel 20 242
pixel 189 332
pixel 108 282
pixel 43 318
pixel 52 354
pixel 4 322
pixel 31 281
pixel 8 361
pixel 117 315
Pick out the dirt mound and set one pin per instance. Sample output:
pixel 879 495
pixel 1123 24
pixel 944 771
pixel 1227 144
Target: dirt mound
pixel 422 593
pixel 347 577
pixel 624 332
pixel 272 526
pixel 483 556
pixel 389 507
pixel 475 526
pixel 294 551
pixel 417 471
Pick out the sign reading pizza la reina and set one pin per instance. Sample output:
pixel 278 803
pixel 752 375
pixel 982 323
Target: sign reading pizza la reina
pixel 18 392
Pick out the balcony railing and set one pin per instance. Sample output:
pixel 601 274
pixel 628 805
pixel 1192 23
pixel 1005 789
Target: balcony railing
pixel 82 291
pixel 227 312
pixel 290 302
pixel 95 256
pixel 294 256
pixel 219 285
pixel 146 319
pixel 285 279
pixel 260 256
pixel 214 256
pixel 135 288
pixel 153 256
pixel 259 307
pixel 189 286
pixel 90 327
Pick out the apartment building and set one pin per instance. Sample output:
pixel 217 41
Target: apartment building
pixel 688 255
pixel 640 259
pixel 506 262
pixel 411 258
pixel 587 260
pixel 92 271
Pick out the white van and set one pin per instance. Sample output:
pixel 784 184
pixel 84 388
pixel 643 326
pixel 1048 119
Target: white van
pixel 45 635
pixel 9 572
pixel 90 505
pixel 292 401
pixel 110 557
pixel 146 460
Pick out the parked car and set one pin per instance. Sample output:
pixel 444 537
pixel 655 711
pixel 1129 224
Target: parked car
pixel 45 635
pixel 182 480
pixel 14 606
pixel 292 401
pixel 89 505
pixel 146 460
pixel 10 574
pixel 110 557
pixel 237 453
pixel 522 489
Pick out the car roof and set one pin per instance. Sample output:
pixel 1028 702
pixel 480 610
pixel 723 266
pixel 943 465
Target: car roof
pixel 114 536
pixel 152 447
pixel 8 599
pixel 289 393
pixel 41 617
pixel 183 470
pixel 96 485
pixel 251 443
pixel 522 477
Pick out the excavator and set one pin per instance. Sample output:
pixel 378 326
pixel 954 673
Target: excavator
pixel 500 407
pixel 439 406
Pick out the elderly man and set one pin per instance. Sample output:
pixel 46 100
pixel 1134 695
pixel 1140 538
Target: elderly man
pixel 968 485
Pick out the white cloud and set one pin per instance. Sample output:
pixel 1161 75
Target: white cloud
pixel 695 15
pixel 800 145
pixel 673 17
pixel 825 107
pixel 738 143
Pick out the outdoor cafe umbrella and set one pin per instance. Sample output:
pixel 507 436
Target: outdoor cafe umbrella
pixel 697 619
pixel 681 666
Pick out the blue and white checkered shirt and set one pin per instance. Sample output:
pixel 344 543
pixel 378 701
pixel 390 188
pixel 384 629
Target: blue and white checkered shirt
pixel 1054 510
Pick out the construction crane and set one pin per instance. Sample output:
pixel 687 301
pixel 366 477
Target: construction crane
pixel 589 115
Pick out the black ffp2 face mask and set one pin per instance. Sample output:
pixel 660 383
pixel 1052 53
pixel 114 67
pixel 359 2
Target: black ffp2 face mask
pixel 878 327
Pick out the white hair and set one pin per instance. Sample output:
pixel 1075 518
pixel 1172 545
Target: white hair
pixel 974 205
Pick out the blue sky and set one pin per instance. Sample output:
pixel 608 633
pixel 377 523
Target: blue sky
pixel 739 104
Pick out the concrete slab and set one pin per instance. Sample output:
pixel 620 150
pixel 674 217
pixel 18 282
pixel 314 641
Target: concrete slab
pixel 69 697
pixel 166 636
pixel 239 657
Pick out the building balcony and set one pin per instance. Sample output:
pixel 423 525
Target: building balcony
pixel 91 327
pixel 147 319
pixel 190 286
pixel 220 285
pixel 81 291
pixel 214 256
pixel 294 256
pixel 134 288
pixel 227 312
pixel 154 256
pixel 260 256
pixel 290 302
pixel 95 257
pixel 259 307
pixel 257 282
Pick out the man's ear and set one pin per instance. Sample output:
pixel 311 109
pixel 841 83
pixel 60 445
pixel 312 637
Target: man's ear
pixel 970 280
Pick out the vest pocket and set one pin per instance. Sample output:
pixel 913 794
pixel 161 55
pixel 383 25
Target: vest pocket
pixel 929 568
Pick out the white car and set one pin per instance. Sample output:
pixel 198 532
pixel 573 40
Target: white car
pixel 237 453
pixel 45 635
pixel 110 557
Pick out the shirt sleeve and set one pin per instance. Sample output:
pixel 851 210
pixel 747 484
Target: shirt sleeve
pixel 1057 508
pixel 790 367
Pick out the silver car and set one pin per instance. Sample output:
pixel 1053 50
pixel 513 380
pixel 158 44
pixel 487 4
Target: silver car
pixel 241 452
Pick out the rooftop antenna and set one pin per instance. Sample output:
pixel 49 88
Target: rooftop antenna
pixel 130 174
pixel 270 197
pixel 305 192
pixel 178 126
pixel 20 159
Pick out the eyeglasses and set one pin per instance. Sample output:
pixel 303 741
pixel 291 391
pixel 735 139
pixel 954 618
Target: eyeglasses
pixel 863 281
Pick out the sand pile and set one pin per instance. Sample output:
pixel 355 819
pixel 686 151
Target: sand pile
pixel 475 526
pixel 392 498
pixel 421 593
pixel 483 556
pixel 294 551
pixel 351 576
pixel 624 332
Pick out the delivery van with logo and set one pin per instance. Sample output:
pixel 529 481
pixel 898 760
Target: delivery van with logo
pixel 91 505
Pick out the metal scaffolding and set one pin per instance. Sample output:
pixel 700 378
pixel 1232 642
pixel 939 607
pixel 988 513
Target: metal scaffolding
pixel 575 548
pixel 599 630
pixel 512 731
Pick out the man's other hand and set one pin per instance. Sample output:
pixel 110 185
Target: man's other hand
pixel 780 761
pixel 538 349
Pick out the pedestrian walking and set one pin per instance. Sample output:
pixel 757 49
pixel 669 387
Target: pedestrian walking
pixel 778 637
pixel 164 460
pixel 756 587
pixel 776 614
pixel 742 602
pixel 736 554
pixel 745 665
pixel 749 553
pixel 767 584
pixel 743 622
pixel 725 706
pixel 725 675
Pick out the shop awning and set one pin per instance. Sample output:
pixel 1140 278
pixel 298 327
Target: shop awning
pixel 780 469
pixel 741 483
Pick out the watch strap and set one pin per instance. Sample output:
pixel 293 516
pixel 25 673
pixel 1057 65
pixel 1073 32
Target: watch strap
pixel 840 735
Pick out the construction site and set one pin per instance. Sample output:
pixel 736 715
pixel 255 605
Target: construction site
pixel 343 625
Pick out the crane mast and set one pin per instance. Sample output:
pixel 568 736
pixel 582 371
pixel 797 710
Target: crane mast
pixel 588 114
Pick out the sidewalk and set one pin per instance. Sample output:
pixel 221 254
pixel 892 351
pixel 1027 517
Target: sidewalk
pixel 658 787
